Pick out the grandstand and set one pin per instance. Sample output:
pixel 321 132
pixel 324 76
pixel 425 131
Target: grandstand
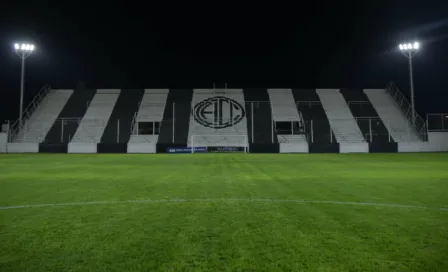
pixel 223 212
pixel 250 120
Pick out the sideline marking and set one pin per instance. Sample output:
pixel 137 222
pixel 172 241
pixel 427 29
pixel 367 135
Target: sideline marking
pixel 224 200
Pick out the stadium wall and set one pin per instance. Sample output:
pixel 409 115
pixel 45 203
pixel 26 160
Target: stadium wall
pixel 437 142
pixel 82 148
pixel 264 148
pixel 294 148
pixel 53 148
pixel 141 148
pixel 381 147
pixel 354 148
pixel 324 148
pixel 162 147
pixel 112 148
pixel 22 147
pixel 3 142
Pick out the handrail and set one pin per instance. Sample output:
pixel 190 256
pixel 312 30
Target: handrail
pixel 308 103
pixel 133 123
pixel 419 125
pixel 368 118
pixel 71 118
pixel 139 103
pixel 26 114
pixel 358 102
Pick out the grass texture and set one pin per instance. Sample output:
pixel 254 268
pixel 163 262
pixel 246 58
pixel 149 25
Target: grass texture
pixel 236 212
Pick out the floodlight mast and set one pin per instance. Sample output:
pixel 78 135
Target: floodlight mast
pixel 410 50
pixel 23 50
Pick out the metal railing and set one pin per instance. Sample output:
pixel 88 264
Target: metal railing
pixel 134 119
pixel 308 103
pixel 372 129
pixel 402 102
pixel 89 130
pixel 354 102
pixel 15 128
pixel 133 127
pixel 437 122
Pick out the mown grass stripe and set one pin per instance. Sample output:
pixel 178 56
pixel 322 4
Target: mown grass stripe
pixel 222 200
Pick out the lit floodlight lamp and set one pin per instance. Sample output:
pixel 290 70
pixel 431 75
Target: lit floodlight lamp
pixel 409 46
pixel 416 45
pixel 24 47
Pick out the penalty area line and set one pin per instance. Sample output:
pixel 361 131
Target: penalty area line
pixel 224 200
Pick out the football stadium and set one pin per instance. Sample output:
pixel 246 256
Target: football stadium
pixel 223 180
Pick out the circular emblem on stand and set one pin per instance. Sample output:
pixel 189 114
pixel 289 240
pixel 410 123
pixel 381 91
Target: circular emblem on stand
pixel 218 112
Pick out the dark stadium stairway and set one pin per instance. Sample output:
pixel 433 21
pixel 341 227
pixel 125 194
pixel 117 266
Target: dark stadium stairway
pixel 363 110
pixel 311 108
pixel 181 99
pixel 124 110
pixel 262 116
pixel 72 113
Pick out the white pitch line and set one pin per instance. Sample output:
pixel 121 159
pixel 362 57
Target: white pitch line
pixel 222 200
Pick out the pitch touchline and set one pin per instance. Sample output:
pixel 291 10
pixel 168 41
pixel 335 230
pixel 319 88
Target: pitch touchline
pixel 221 200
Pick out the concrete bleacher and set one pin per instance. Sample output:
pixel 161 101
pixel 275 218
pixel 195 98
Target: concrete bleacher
pixel 65 126
pixel 398 126
pixel 342 122
pixel 218 118
pixel 151 109
pixel 176 117
pixel 120 121
pixel 330 120
pixel 37 126
pixel 284 110
pixel 259 117
pixel 92 125
pixel 317 126
pixel 369 122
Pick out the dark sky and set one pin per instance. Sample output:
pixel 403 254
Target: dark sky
pixel 312 44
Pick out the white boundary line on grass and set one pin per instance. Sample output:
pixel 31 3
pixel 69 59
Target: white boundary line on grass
pixel 224 200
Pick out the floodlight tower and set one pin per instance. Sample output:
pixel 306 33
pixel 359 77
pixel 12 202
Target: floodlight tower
pixel 23 50
pixel 409 50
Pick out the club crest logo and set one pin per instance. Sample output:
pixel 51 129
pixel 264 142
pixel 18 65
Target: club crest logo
pixel 218 112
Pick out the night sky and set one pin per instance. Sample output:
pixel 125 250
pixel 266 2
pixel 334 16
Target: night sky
pixel 312 44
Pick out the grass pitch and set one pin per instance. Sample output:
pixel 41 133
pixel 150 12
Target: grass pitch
pixel 224 212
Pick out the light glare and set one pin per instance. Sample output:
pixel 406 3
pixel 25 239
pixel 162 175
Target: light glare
pixel 416 45
pixel 401 47
pixel 405 46
pixel 24 47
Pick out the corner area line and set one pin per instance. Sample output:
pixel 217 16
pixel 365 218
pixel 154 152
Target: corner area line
pixel 224 200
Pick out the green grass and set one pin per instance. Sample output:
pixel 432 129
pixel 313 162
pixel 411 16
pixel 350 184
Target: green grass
pixel 227 232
